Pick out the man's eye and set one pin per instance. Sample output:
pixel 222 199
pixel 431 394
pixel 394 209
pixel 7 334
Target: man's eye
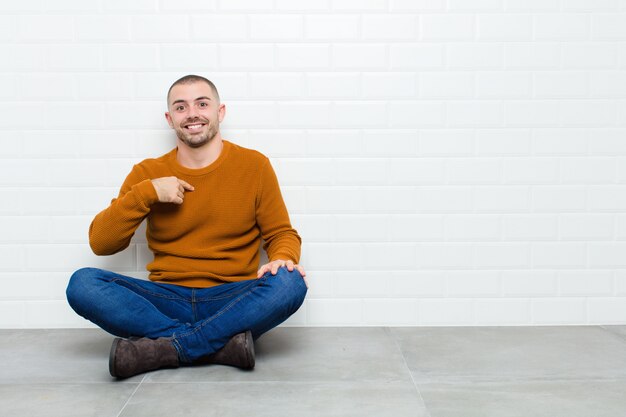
pixel 203 104
pixel 179 108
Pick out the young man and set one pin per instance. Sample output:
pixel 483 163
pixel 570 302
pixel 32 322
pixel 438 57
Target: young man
pixel 208 203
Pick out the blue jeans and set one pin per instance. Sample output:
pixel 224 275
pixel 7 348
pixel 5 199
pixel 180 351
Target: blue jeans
pixel 200 321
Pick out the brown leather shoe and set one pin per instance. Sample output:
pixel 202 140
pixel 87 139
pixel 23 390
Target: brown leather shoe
pixel 130 357
pixel 238 352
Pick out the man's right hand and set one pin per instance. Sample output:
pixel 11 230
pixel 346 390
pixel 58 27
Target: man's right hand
pixel 171 189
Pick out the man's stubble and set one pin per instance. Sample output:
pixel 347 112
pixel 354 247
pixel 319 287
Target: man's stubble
pixel 198 140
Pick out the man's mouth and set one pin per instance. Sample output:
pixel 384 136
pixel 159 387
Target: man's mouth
pixel 195 126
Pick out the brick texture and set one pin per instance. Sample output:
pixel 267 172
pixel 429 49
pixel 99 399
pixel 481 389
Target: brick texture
pixel 446 162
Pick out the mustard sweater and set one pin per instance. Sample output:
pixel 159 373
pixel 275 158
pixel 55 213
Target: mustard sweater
pixel 214 236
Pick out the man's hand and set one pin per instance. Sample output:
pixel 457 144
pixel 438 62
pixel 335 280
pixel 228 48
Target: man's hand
pixel 274 265
pixel 171 189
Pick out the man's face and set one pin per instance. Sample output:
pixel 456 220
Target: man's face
pixel 194 113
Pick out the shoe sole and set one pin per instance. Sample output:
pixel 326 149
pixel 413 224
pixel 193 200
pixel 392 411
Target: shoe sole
pixel 112 370
pixel 250 350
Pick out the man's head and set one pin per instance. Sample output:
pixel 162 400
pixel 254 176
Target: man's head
pixel 194 110
pixel 190 79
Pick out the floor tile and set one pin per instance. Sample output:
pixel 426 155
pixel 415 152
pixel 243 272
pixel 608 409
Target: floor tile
pixel 64 400
pixel 619 331
pixel 59 355
pixel 511 353
pixel 272 399
pixel 309 355
pixel 523 399
pixel 480 371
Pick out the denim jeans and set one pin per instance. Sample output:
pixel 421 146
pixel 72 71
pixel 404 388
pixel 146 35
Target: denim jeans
pixel 200 321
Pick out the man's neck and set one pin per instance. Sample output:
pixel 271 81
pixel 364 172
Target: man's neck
pixel 196 158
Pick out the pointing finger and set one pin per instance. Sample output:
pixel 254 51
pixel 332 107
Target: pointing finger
pixel 186 185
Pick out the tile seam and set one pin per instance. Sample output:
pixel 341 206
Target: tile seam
pixel 131 396
pixel 395 342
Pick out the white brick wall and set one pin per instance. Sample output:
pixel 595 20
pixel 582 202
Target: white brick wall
pixel 447 162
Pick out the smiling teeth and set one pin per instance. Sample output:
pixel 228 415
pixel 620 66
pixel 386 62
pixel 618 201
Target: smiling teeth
pixel 194 126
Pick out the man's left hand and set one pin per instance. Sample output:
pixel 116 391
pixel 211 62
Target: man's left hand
pixel 274 265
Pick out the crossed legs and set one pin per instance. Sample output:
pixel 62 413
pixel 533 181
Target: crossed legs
pixel 197 321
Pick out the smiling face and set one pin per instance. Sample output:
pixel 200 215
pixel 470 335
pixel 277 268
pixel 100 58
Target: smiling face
pixel 195 113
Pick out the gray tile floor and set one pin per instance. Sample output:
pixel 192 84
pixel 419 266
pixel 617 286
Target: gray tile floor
pixel 373 371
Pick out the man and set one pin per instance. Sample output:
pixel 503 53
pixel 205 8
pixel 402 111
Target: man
pixel 208 203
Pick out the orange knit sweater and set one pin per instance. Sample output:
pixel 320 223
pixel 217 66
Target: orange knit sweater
pixel 214 236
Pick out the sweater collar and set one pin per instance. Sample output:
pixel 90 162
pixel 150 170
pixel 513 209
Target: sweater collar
pixel 173 162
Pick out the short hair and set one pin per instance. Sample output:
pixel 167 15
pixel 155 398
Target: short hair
pixel 190 79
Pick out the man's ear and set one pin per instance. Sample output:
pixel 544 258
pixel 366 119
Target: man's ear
pixel 169 119
pixel 221 112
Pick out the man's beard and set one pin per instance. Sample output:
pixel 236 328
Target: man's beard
pixel 199 139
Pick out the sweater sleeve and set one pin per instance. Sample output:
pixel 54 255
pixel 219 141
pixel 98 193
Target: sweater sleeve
pixel 112 229
pixel 281 240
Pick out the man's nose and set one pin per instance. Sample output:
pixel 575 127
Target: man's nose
pixel 192 112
